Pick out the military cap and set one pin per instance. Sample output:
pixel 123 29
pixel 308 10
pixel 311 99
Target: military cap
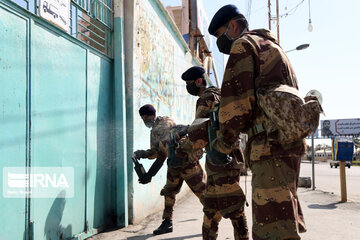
pixel 147 110
pixel 193 73
pixel 222 16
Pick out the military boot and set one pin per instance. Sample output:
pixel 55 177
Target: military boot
pixel 165 227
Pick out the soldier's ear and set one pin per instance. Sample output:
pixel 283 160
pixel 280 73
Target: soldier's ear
pixel 199 82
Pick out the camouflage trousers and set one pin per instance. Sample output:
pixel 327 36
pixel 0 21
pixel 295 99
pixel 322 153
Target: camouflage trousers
pixel 275 205
pixel 224 198
pixel 194 177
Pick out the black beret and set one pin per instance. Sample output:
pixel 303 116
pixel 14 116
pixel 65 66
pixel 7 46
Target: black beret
pixel 147 110
pixel 193 73
pixel 222 16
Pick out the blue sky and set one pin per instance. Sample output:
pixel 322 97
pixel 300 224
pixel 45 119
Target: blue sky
pixel 330 64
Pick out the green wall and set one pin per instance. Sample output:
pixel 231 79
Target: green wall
pixel 57 110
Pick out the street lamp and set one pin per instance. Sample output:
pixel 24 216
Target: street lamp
pixel 300 47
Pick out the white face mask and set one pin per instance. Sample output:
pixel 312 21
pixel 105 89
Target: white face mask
pixel 149 122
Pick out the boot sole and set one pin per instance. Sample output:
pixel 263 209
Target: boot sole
pixel 159 233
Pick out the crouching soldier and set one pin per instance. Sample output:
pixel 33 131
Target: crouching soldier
pixel 181 166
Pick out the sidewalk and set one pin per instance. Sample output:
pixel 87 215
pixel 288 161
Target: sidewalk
pixel 325 217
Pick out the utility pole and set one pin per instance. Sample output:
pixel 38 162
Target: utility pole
pixel 269 12
pixel 277 18
pixel 191 29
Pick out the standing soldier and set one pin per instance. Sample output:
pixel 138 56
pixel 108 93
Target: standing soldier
pixel 190 171
pixel 256 60
pixel 224 196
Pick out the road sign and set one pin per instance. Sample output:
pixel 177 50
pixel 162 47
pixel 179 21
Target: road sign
pixel 56 11
pixel 340 127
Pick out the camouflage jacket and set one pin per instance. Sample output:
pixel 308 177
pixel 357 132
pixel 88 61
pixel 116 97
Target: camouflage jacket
pixel 256 60
pixel 208 99
pixel 159 139
pixel 204 104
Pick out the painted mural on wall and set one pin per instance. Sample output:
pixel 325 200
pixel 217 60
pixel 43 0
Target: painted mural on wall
pixel 161 62
pixel 155 55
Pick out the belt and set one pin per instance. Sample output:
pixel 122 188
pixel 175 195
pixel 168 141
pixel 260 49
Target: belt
pixel 255 130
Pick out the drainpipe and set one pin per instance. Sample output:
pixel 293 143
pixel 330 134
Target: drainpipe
pixel 129 39
pixel 121 183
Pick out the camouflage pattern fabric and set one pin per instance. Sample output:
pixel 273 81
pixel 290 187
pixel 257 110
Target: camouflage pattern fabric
pixel 256 61
pixel 276 210
pixel 204 104
pixel 207 101
pixel 187 152
pixel 194 177
pixel 289 116
pixel 159 139
pixel 224 196
pixel 198 133
pixel 190 171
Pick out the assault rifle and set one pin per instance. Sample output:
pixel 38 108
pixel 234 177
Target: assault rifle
pixel 215 156
pixel 177 131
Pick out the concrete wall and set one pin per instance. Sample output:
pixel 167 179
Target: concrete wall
pixel 159 57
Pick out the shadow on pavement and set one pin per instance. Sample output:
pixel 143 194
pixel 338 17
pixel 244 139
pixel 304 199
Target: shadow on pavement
pixel 329 206
pixel 143 237
pixel 147 236
pixel 189 220
pixel 184 237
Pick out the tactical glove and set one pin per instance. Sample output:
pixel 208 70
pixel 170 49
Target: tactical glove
pixel 145 179
pixel 139 154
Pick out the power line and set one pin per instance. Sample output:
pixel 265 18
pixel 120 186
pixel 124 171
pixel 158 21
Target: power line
pixel 293 10
pixel 257 10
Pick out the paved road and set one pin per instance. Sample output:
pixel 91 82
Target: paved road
pixel 323 212
pixel 328 179
pixel 325 218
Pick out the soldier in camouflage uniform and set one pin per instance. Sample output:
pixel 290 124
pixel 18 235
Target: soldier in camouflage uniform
pixel 190 171
pixel 224 196
pixel 256 60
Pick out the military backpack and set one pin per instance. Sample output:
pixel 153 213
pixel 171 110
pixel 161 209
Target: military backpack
pixel 288 116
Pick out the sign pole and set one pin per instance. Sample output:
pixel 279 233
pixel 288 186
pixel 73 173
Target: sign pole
pixel 343 182
pixel 313 161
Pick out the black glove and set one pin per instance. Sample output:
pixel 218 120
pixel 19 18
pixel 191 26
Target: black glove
pixel 139 154
pixel 218 158
pixel 145 179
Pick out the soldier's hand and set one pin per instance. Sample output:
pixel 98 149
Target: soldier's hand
pixel 139 154
pixel 145 179
pixel 185 145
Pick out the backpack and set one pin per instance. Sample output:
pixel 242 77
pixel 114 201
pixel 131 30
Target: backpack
pixel 288 116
